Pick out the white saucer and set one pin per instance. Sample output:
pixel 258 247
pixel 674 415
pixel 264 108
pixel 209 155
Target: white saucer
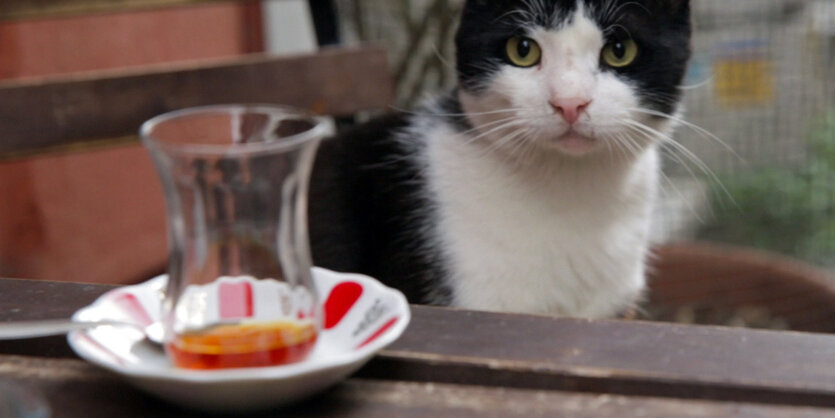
pixel 361 317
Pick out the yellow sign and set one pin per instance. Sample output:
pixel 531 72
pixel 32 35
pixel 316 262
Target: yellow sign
pixel 744 74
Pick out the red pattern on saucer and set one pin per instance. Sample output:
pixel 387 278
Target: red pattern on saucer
pixel 341 299
pixel 133 308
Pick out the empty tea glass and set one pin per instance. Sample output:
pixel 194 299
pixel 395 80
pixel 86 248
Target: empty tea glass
pixel 240 291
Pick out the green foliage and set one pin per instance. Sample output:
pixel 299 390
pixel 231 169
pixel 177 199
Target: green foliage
pixel 791 211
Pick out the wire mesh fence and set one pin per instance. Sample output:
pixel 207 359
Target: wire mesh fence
pixel 761 82
pixel 759 169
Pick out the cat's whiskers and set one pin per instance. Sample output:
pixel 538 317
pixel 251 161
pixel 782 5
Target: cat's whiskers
pixel 510 142
pixel 430 113
pixel 613 147
pixel 630 145
pixel 516 119
pixel 523 146
pixel 515 144
pixel 681 162
pixel 502 142
pixel 496 129
pixel 704 133
pixel 641 128
pixel 697 85
pixel 624 138
pixel 670 183
pixel 637 128
pixel 607 144
pixel 491 126
pixel 614 144
pixel 530 149
pixel 488 65
pixel 670 99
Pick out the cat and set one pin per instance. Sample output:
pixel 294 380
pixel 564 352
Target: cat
pixel 530 186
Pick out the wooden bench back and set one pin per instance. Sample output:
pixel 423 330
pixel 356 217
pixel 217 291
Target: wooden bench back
pixel 79 111
pixel 38 9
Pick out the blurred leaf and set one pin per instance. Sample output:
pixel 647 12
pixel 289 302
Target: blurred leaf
pixel 791 211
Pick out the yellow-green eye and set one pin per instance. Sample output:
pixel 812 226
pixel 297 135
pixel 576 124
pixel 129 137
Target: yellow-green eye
pixel 620 54
pixel 523 52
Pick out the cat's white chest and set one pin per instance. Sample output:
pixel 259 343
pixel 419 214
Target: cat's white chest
pixel 571 245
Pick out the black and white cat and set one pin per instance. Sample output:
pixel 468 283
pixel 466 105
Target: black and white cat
pixel 530 187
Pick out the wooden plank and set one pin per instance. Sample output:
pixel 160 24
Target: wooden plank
pixel 75 389
pixel 533 352
pixel 619 357
pixel 22 300
pixel 39 114
pixel 39 9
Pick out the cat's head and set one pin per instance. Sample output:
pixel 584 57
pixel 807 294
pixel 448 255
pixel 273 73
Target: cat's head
pixel 577 76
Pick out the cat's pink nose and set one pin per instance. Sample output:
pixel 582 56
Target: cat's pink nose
pixel 571 108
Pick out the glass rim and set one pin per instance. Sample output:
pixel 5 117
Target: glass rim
pixel 318 129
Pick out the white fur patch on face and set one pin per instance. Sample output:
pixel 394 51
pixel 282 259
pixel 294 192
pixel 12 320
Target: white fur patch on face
pixel 569 241
pixel 523 104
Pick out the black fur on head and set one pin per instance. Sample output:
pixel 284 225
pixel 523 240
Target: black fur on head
pixel 661 28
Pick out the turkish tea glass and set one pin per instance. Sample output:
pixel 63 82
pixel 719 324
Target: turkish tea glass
pixel 240 291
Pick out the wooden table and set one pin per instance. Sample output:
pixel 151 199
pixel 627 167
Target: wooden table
pixel 453 363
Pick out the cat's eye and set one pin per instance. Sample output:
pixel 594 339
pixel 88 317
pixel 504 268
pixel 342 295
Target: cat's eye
pixel 523 51
pixel 620 54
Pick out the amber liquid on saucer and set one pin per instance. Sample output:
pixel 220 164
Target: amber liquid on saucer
pixel 243 345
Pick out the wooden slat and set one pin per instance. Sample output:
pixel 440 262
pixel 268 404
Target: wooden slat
pixel 631 358
pixel 39 114
pixel 22 300
pixel 76 389
pixel 38 9
pixel 531 352
pixel 31 300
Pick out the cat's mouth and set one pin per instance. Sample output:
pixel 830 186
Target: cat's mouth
pixel 575 143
